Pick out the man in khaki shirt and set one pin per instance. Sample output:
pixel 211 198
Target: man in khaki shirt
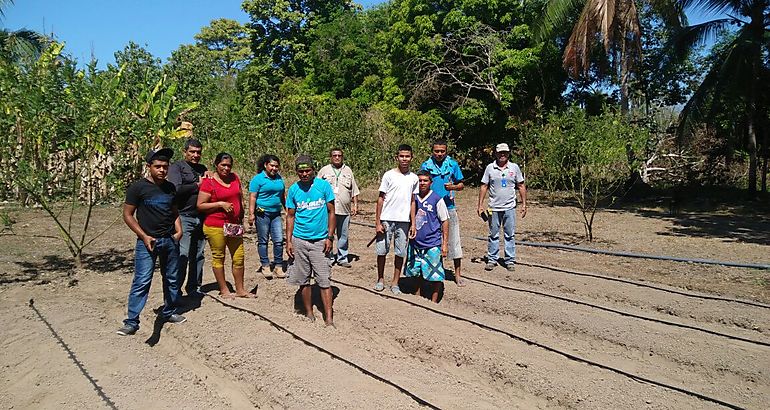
pixel 343 183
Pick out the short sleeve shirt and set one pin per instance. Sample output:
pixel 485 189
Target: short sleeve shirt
pixel 219 192
pixel 154 206
pixel 311 218
pixel 398 189
pixel 268 191
pixel 343 185
pixel 448 172
pixel 502 182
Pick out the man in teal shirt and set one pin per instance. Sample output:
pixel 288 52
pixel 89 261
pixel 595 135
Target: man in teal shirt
pixel 310 224
pixel 447 179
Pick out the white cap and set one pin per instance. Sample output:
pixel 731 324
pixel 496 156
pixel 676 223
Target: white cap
pixel 502 147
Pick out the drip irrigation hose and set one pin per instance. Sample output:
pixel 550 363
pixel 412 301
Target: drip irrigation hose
pixel 621 253
pixel 547 348
pixel 74 358
pixel 649 286
pixel 620 312
pixel 360 368
pixel 621 280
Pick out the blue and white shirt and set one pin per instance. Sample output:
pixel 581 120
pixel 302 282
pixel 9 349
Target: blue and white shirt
pixel 311 218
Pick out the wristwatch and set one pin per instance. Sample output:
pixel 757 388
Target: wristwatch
pixel 330 237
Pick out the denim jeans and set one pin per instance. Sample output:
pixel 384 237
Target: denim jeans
pixel 269 225
pixel 167 250
pixel 508 220
pixel 191 253
pixel 343 224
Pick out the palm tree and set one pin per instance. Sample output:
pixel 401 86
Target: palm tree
pixel 19 45
pixel 736 70
pixel 613 23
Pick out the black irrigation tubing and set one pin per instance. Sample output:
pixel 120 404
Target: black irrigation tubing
pixel 626 281
pixel 360 368
pixel 643 255
pixel 74 358
pixel 623 254
pixel 570 356
pixel 620 312
pixel 645 285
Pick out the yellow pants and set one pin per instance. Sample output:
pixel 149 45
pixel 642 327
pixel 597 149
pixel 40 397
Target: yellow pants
pixel 218 241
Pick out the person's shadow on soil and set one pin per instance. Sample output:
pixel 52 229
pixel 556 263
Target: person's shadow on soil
pixel 409 285
pixel 156 328
pixel 315 293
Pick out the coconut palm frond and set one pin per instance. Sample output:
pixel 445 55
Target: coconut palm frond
pixel 578 50
pixel 604 15
pixel 729 74
pixel 690 37
pixel 719 6
pixel 555 14
pixel 21 44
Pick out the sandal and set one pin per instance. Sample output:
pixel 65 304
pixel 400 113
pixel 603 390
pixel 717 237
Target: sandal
pixel 395 290
pixel 461 283
pixel 379 287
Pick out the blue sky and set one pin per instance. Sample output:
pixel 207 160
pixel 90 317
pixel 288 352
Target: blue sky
pixel 107 26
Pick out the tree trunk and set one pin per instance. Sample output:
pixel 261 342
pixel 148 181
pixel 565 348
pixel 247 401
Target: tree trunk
pixel 752 147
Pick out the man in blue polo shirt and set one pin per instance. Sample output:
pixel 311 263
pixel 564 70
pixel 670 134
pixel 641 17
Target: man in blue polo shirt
pixel 448 179
pixel 310 224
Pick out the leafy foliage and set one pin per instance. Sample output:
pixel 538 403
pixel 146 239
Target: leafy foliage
pixel 590 157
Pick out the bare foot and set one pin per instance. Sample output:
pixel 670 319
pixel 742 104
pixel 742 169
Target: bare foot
pixel 227 295
pixel 310 317
pixel 330 324
pixel 246 295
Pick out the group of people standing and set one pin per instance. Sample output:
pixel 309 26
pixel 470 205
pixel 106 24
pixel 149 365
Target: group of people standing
pixel 178 207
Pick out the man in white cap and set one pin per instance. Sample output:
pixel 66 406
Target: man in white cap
pixel 502 179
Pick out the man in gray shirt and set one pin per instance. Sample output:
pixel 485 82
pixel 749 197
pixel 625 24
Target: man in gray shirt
pixel 502 179
pixel 186 175
pixel 345 189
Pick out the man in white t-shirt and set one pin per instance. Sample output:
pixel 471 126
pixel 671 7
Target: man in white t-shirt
pixel 502 179
pixel 395 216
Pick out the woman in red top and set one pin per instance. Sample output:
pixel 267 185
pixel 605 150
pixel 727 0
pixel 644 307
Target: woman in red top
pixel 220 199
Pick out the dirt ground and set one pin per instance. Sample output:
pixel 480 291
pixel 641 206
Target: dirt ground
pixel 566 330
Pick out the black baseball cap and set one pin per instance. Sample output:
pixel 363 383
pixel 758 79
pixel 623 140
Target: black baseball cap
pixel 163 154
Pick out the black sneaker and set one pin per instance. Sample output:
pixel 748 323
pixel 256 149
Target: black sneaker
pixel 126 330
pixel 176 318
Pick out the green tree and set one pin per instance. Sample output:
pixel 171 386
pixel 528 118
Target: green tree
pixel 281 29
pixel 585 155
pixel 228 41
pixel 737 73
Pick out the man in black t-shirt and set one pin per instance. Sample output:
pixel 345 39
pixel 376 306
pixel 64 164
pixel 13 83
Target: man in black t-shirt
pixel 158 229
pixel 186 175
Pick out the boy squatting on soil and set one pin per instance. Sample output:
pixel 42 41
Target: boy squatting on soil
pixel 150 212
pixel 429 244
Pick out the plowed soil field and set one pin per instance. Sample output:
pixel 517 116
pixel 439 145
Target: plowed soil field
pixel 565 330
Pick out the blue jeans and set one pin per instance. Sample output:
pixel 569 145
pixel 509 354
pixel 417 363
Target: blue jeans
pixel 343 225
pixel 191 254
pixel 269 225
pixel 508 220
pixel 167 250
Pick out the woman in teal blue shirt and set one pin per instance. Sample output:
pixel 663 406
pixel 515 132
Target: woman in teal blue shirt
pixel 266 201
